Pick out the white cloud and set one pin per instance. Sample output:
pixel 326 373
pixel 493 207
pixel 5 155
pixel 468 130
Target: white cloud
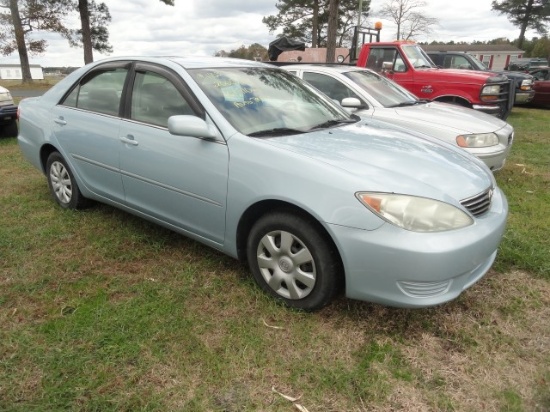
pixel 202 27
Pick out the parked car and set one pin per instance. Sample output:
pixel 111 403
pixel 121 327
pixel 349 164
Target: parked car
pixel 459 60
pixel 254 162
pixel 526 64
pixel 541 86
pixel 8 114
pixel 372 95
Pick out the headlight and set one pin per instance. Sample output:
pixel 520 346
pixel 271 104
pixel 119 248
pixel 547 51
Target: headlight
pixel 491 90
pixel 477 140
pixel 526 84
pixel 417 214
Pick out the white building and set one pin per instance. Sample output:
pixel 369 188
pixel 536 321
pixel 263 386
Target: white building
pixel 12 71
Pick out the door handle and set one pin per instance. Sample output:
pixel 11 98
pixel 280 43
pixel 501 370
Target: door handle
pixel 129 139
pixel 61 121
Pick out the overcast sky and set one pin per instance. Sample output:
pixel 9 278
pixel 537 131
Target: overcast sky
pixel 202 27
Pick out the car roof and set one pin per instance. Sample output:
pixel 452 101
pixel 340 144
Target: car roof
pixel 190 62
pixel 338 68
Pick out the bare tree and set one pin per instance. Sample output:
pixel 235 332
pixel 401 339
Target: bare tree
pixel 409 20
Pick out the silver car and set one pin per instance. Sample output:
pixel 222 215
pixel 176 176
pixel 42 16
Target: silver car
pixel 256 163
pixel 372 95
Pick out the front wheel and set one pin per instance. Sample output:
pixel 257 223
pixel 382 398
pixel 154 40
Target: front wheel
pixel 62 183
pixel 291 258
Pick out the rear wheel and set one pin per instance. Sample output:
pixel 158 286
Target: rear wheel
pixel 292 260
pixel 62 184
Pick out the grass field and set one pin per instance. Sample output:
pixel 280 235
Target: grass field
pixel 102 311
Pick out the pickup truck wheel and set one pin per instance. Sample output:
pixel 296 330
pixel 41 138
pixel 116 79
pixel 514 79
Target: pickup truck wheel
pixel 62 183
pixel 9 130
pixel 291 259
pixel 458 101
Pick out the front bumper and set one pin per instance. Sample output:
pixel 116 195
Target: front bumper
pixel 524 97
pixel 494 159
pixel 8 113
pixel 395 267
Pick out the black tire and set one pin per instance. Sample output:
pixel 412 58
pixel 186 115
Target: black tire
pixel 62 183
pixel 9 130
pixel 292 260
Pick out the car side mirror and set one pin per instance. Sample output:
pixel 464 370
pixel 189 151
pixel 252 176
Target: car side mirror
pixel 185 125
pixel 351 103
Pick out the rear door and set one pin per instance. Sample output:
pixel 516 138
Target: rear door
pixel 87 122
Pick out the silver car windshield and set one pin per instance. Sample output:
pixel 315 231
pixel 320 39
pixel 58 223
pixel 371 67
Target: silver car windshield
pixel 387 93
pixel 267 102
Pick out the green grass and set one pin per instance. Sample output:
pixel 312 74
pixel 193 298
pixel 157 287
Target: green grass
pixel 102 311
pixel 526 182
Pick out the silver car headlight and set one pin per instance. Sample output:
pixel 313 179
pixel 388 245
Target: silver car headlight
pixel 477 140
pixel 417 214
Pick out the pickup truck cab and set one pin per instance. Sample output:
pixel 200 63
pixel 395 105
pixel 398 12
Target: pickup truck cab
pixel 524 92
pixel 408 65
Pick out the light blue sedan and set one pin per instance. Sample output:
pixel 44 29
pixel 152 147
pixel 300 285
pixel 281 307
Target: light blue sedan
pixel 252 161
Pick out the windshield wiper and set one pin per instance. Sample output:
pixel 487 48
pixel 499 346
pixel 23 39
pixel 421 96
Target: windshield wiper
pixel 409 103
pixel 278 131
pixel 332 123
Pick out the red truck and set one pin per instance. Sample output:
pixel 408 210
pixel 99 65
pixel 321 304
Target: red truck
pixel 406 63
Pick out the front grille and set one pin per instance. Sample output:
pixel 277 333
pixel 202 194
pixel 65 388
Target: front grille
pixel 479 204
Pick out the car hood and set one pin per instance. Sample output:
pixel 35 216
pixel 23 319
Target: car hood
pixel 442 118
pixel 437 75
pixel 393 161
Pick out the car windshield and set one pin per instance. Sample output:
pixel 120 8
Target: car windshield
pixel 539 64
pixel 267 102
pixel 386 92
pixel 417 57
pixel 477 63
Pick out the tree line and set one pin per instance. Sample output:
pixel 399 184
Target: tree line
pixel 319 23
pixel 20 18
pixel 309 21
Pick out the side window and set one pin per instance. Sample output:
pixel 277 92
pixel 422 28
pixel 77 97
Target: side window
pixel 333 88
pixel 399 65
pixel 99 92
pixel 460 62
pixel 385 59
pixel 376 59
pixel 155 99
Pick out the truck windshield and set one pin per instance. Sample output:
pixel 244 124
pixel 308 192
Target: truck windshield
pixel 386 92
pixel 417 57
